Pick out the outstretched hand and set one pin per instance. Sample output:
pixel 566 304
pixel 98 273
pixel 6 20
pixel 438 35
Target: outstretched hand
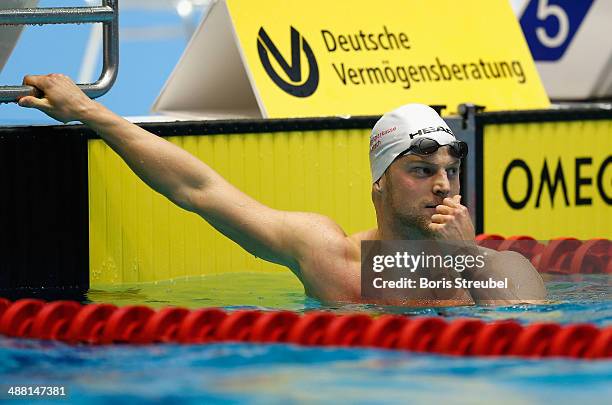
pixel 60 98
pixel 452 221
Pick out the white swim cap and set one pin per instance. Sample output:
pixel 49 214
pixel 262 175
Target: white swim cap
pixel 395 132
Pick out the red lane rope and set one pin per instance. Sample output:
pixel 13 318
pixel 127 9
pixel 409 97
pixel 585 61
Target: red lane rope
pixel 73 322
pixel 558 256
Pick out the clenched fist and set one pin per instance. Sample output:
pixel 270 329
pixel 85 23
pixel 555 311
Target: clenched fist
pixel 452 221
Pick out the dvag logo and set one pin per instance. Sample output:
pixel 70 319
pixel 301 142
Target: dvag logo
pixel 296 86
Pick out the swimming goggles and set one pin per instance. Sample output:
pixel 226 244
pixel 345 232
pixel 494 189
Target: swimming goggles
pixel 428 146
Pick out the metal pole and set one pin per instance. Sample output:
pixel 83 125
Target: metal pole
pixel 56 15
pixel 107 14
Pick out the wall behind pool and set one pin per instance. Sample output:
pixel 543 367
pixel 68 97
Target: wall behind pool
pixel 135 234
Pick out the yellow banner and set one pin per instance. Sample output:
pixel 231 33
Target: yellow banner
pixel 358 57
pixel 137 235
pixel 548 179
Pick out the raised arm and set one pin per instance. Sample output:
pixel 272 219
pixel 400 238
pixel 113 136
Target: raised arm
pixel 277 236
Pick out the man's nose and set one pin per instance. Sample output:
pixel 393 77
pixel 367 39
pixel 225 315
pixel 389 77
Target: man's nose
pixel 441 186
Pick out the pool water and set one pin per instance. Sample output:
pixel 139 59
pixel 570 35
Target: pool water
pixel 572 299
pixel 270 374
pixel 280 373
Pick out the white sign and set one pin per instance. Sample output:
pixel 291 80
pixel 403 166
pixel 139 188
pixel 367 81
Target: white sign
pixel 571 43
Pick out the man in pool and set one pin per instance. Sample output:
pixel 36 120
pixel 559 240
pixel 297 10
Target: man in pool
pixel 415 161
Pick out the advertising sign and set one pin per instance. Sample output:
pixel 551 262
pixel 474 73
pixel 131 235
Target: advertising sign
pixel 275 58
pixel 548 180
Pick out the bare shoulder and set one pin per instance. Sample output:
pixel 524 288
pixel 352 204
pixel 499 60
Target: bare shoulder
pixel 308 229
pixel 370 234
pixel 525 284
pixel 509 262
pixel 507 256
pixel 316 238
pixel 328 261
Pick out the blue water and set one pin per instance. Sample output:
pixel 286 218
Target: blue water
pixel 266 374
pixel 270 374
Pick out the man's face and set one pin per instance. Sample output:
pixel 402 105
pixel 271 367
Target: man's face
pixel 416 184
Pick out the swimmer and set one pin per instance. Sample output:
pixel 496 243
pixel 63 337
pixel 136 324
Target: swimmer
pixel 415 162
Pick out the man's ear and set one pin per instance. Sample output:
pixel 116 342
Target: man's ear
pixel 379 185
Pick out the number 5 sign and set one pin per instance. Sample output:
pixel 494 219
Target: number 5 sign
pixel 550 25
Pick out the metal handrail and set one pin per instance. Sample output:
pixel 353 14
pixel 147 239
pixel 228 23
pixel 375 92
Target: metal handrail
pixel 107 14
